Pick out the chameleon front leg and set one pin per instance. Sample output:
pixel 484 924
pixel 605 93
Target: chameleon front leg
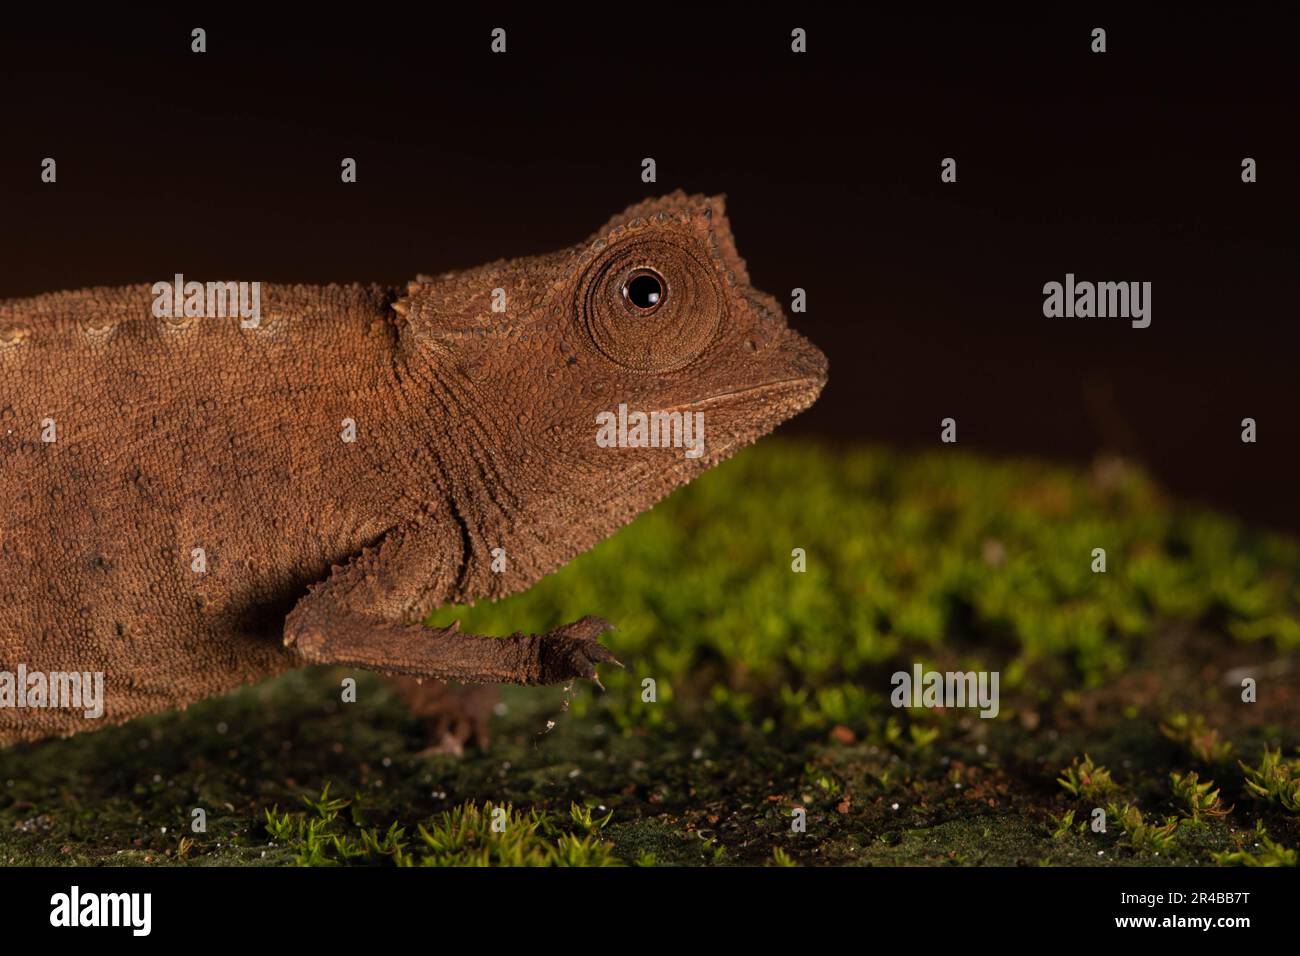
pixel 330 635
pixel 362 614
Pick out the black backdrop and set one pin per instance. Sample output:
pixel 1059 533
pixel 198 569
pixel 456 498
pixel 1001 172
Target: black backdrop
pixel 927 297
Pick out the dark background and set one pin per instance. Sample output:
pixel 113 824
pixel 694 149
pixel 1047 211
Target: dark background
pixel 927 297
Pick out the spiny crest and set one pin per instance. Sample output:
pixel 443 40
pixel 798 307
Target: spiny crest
pixel 708 214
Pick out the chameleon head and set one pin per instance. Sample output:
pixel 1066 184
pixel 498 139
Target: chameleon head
pixel 606 375
pixel 665 301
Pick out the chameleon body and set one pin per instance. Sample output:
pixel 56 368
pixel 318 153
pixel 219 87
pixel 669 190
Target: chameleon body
pixel 183 510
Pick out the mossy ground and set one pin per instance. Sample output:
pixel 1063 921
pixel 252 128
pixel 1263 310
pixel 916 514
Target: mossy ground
pixel 772 693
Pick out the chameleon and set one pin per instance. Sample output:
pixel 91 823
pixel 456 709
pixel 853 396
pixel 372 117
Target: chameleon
pixel 193 503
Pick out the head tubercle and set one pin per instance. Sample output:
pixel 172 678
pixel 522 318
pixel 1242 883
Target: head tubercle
pixel 703 216
pixel 491 300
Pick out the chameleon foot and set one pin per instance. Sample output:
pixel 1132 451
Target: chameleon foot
pixel 574 651
pixel 453 716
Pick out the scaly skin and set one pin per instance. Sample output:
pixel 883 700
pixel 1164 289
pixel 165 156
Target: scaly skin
pixel 475 430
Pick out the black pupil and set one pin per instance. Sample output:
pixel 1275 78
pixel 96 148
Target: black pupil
pixel 644 291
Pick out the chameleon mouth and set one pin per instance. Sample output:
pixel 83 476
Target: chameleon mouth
pixel 807 389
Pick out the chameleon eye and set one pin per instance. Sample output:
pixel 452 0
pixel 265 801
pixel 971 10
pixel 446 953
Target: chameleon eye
pixel 621 290
pixel 644 290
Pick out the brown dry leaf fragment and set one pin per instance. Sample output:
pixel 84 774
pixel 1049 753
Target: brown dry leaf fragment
pixel 843 735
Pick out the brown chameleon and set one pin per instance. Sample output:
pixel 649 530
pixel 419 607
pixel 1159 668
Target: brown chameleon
pixel 195 503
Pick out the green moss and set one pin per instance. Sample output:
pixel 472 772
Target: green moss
pixel 467 835
pixel 1262 852
pixel 1275 780
pixel 1086 780
pixel 1201 742
pixel 1139 835
pixel 942 557
pixel 1195 799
